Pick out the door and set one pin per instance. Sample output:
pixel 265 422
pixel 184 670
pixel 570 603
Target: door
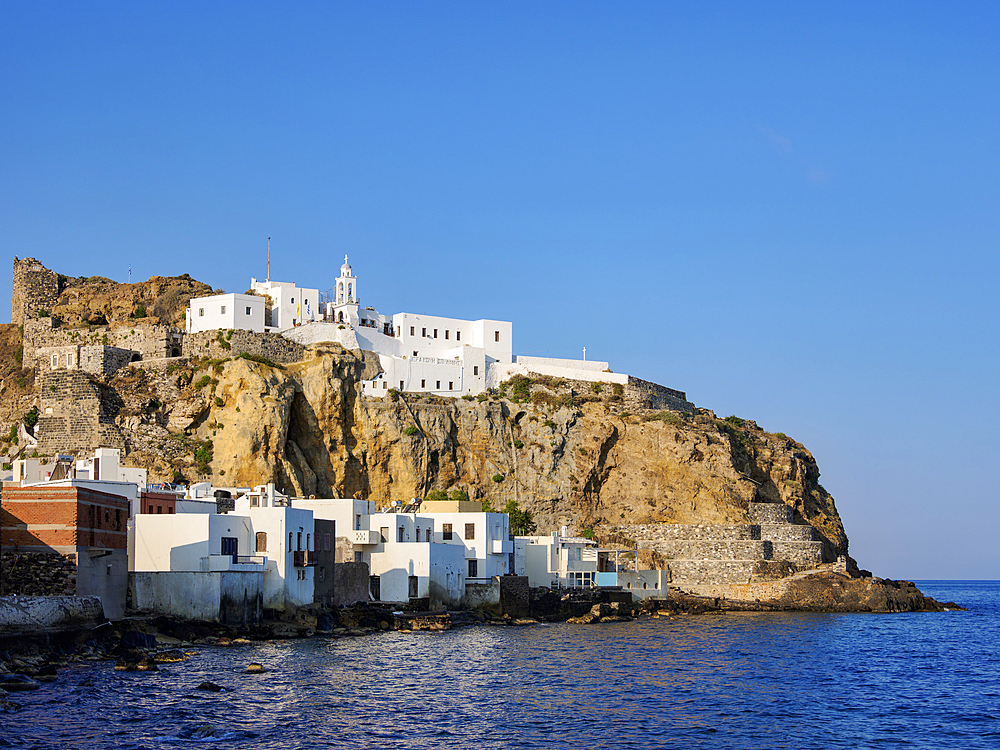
pixel 230 546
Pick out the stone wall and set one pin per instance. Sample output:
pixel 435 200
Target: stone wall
pixel 99 350
pixel 642 394
pixel 23 616
pixel 514 595
pixel 770 513
pixel 684 531
pixel 75 416
pixel 221 344
pixel 350 583
pixel 37 574
pixel 34 288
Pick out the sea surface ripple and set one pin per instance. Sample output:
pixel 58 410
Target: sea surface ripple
pixel 760 680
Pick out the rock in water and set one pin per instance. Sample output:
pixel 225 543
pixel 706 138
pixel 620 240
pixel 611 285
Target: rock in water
pixel 255 668
pixel 211 687
pixel 18 682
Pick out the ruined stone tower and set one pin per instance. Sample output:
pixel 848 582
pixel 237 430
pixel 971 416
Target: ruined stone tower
pixel 35 288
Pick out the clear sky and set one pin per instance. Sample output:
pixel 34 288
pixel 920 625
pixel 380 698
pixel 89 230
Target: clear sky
pixel 788 210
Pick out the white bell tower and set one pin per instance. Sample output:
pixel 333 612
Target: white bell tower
pixel 345 297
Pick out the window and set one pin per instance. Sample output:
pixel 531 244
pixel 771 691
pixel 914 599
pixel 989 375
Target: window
pixel 357 522
pixel 223 310
pixel 451 385
pixel 446 333
pixel 201 312
pixel 423 332
pixel 359 557
pixel 261 541
pixel 159 509
pixel 248 311
pixel 399 534
pixel 470 531
pixel 423 383
pixel 385 385
pixel 418 533
pixel 475 370
pixel 446 532
pixel 69 360
pixel 412 330
pixel 55 361
pixel 414 354
pixel 400 385
pixel 438 386
pixel 496 335
pixel 383 533
pixel 289 541
pixel 435 333
pixel 307 542
pixel 293 300
pixel 298 542
pixel 170 510
pixel 473 568
pixel 458 335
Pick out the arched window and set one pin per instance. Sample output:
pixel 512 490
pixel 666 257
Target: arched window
pixel 341 316
pixel 340 292
pixel 262 541
pixel 350 291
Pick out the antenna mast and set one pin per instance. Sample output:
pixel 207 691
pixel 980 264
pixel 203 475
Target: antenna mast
pixel 268 258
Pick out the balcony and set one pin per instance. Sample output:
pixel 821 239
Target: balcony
pixel 363 537
pixel 303 559
pixel 499 547
pixel 246 563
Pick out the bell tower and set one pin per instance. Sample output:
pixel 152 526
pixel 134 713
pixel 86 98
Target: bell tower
pixel 347 285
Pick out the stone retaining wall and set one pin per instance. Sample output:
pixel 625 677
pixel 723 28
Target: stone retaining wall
pixel 710 549
pixel 686 573
pixel 785 532
pixel 215 344
pixel 803 554
pixel 686 532
pixel 770 513
pixel 37 573
pixel 642 394
pixel 74 415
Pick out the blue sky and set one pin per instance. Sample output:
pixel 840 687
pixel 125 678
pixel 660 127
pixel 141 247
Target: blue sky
pixel 788 210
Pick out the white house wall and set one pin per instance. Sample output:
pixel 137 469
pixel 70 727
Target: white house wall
pixel 225 311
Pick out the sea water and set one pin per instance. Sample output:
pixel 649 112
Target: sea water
pixel 734 680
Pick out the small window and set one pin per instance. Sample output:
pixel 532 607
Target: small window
pixel 298 542
pixel 414 354
pixel 357 522
pixel 159 509
pixel 418 533
pixel 473 568
pixel 307 542
pixel 400 385
pixel 293 300
pixel 423 383
pixel 289 541
pixel 435 333
pixel 399 534
pixel 385 385
pixel 470 531
pixel 69 360
pixel 55 361
pixel 446 333
pixel 475 370
pixel 223 310
pixel 496 335
pixel 383 533
pixel 446 532
pixel 248 311
pixel 201 312
pixel 261 541
pixel 438 386
pixel 458 335
pixel 169 510
pixel 423 332
pixel 411 330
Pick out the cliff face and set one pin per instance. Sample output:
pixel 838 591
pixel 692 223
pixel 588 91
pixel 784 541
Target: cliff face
pixel 568 455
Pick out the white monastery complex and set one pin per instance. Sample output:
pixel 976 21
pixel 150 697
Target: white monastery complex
pixel 417 352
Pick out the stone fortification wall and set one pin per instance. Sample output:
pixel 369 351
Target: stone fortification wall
pixel 75 416
pixel 221 344
pixel 99 351
pixel 642 394
pixel 785 532
pixel 711 549
pixel 802 554
pixel 34 288
pixel 685 531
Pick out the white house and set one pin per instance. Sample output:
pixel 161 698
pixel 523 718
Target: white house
pixel 286 537
pixel 243 312
pixel 484 537
pixel 556 561
pixel 348 514
pixel 290 305
pixel 407 563
pixel 194 542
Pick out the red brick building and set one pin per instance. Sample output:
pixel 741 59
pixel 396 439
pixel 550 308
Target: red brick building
pixel 74 521
pixel 157 502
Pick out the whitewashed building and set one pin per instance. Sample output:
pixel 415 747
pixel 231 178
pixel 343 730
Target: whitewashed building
pixel 224 311
pixel 556 561
pixel 290 305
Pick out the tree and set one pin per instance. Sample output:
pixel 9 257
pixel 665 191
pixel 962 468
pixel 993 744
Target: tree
pixel 459 496
pixel 522 522
pixel 436 496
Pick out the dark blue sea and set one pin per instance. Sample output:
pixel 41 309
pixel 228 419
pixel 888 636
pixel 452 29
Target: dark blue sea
pixel 923 680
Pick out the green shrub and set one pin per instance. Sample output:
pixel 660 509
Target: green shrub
pixel 734 420
pixel 139 312
pixel 481 397
pixel 518 444
pixel 12 437
pixel 410 431
pixel 43 313
pixel 583 451
pixel 618 389
pixel 203 381
pixel 595 387
pixel 203 456
pixel 19 354
pixel 459 496
pixel 666 416
pixel 520 388
pixel 219 401
pixel 498 478
pixel 22 382
pixel 436 496
pixel 31 417
pixel 588 533
pixel 522 522
pixel 550 424
pixel 468 397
